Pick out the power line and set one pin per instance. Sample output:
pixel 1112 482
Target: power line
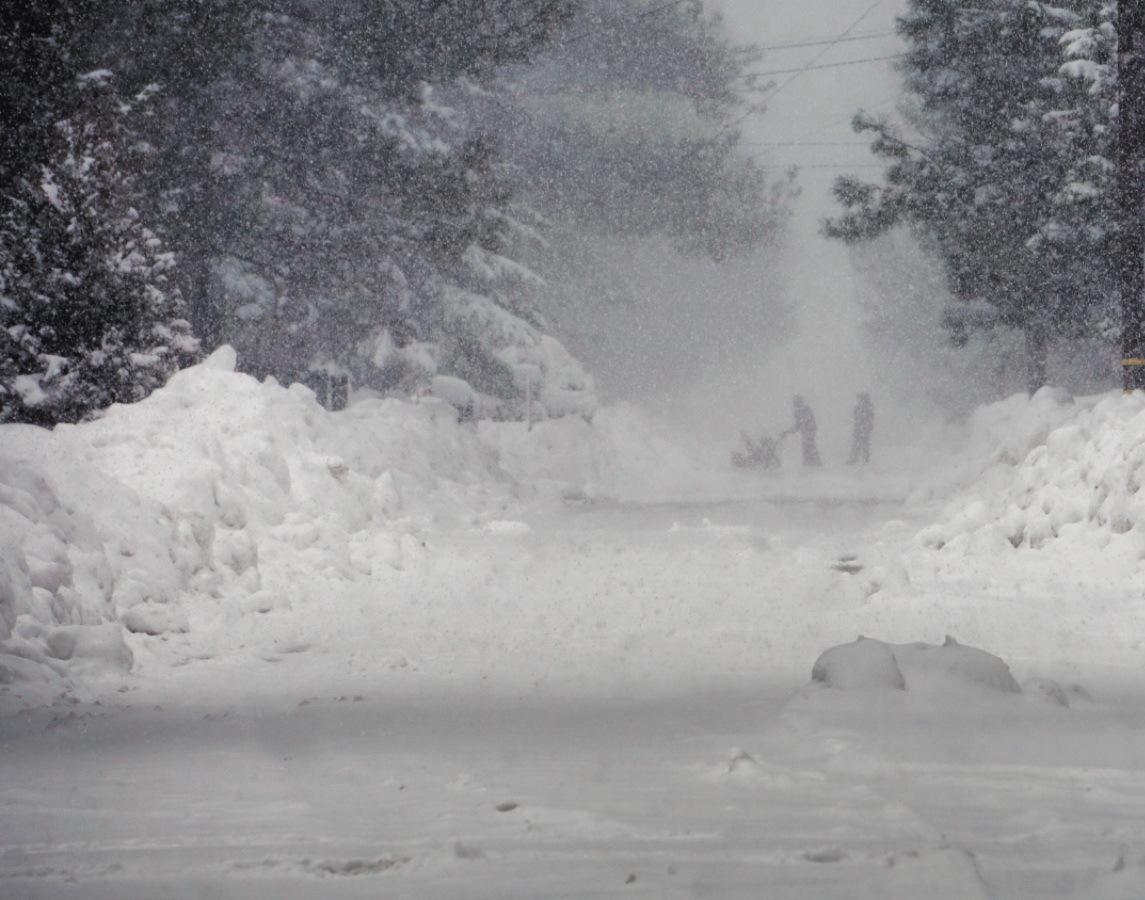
pixel 802 69
pixel 847 166
pixel 834 121
pixel 803 144
pixel 820 42
pixel 818 56
pixel 813 42
pixel 826 44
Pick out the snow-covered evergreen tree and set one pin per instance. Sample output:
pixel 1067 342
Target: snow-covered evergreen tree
pixel 89 315
pixel 343 186
pixel 628 127
pixel 373 205
pixel 1001 167
pixel 346 205
pixel 1080 230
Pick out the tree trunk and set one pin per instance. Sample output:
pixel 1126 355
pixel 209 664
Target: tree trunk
pixel 1037 343
pixel 195 282
pixel 1130 262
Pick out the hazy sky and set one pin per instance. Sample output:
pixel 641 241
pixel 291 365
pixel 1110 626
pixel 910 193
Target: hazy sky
pixel 809 114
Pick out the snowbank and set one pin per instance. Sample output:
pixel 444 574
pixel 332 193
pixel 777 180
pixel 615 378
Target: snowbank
pixel 247 512
pixel 623 455
pixel 76 549
pixel 219 489
pixel 1049 468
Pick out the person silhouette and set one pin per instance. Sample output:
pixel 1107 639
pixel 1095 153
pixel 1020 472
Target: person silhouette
pixel 864 425
pixel 805 425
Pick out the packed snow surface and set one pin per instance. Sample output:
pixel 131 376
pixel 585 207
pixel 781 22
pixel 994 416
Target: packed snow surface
pixel 253 648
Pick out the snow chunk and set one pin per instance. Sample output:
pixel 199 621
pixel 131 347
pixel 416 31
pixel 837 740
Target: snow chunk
pixel 1067 695
pixel 154 618
pixel 862 665
pixel 222 360
pixel 952 666
pixel 101 645
pixel 868 664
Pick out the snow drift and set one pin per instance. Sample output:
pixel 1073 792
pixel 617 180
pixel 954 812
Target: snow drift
pixel 220 504
pixel 1052 467
pixel 219 486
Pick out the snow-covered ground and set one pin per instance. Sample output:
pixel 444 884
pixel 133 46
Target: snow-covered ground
pixel 252 648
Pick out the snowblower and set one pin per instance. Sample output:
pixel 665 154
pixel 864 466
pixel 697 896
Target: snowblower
pixel 761 452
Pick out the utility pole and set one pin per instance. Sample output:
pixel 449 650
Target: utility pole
pixel 1130 251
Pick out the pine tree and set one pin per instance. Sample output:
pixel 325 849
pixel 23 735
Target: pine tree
pixel 628 128
pixel 342 188
pixel 38 66
pixel 1000 170
pixel 88 313
pixel 359 197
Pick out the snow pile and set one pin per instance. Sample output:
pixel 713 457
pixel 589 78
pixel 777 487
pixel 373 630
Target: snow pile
pixel 219 496
pixel 932 670
pixel 76 549
pixel 868 664
pixel 1053 468
pixel 621 455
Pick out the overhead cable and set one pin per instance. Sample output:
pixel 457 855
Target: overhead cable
pixel 819 42
pixel 818 56
pixel 804 144
pixel 850 62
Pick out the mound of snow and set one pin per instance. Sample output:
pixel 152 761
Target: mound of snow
pixel 995 439
pixel 868 664
pixel 77 550
pixel 219 497
pixel 862 665
pixel 217 486
pixel 1055 693
pixel 623 454
pixel 1066 470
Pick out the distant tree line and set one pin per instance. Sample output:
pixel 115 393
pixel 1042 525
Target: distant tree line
pixel 1004 165
pixel 381 187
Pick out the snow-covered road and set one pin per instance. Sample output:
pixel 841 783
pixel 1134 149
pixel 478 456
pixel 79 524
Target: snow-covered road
pixel 454 760
pixel 736 794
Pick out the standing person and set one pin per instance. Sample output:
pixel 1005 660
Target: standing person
pixel 805 425
pixel 864 424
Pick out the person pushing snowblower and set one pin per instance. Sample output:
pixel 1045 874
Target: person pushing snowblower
pixel 806 427
pixel 763 452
